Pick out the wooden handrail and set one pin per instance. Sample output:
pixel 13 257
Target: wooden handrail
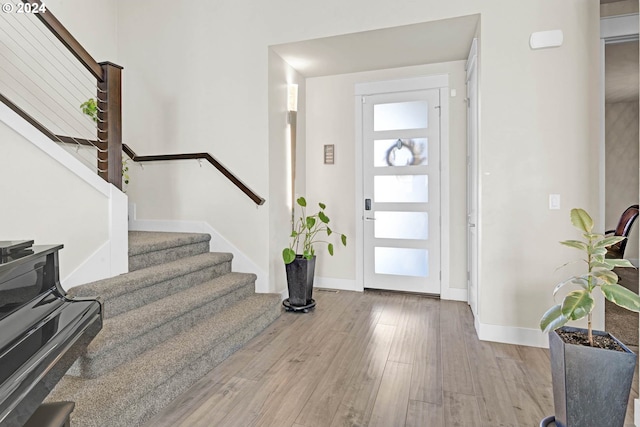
pixel 132 155
pixel 206 156
pixel 110 120
pixel 65 37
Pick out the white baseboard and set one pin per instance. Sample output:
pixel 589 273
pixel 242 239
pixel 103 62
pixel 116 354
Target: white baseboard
pixel 454 294
pixel 331 283
pixel 512 335
pixel 218 243
pixel 636 412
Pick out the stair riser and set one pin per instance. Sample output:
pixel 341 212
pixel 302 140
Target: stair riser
pixel 149 259
pixel 140 297
pixel 142 408
pixel 113 356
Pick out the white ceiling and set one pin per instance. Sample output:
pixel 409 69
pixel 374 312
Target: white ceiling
pixel 621 72
pixel 416 44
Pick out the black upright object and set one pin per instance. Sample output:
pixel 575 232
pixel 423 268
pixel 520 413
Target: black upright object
pixel 300 274
pixel 590 385
pixel 42 330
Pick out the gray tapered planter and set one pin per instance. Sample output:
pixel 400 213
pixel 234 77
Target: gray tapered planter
pixel 590 385
pixel 300 274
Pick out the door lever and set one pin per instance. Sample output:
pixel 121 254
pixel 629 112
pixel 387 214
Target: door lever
pixel 369 218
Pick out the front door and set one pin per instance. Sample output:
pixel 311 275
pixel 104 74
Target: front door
pixel 401 183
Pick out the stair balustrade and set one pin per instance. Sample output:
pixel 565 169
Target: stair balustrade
pixel 107 142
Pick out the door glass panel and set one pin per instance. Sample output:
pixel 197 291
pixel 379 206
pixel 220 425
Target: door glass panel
pixel 401 188
pixel 402 225
pixel 400 152
pixel 402 261
pixel 400 115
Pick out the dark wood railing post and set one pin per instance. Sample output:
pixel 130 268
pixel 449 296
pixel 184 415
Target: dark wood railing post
pixel 110 124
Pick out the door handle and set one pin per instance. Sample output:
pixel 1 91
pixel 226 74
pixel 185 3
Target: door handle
pixel 369 218
pixel 472 225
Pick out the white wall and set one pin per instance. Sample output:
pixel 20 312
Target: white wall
pixel 50 204
pixel 196 79
pixel 539 130
pixel 331 120
pixel 94 23
pixel 280 75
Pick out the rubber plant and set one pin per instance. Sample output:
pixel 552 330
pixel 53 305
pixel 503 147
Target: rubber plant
pixel 580 303
pixel 309 230
pixel 90 109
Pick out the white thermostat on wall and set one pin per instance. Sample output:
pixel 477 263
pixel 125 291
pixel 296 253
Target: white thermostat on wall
pixel 544 39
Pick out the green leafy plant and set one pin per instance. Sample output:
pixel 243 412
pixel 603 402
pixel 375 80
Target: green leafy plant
pixel 309 230
pixel 580 303
pixel 90 109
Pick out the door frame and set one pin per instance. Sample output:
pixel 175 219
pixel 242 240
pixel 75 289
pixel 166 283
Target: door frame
pixel 441 82
pixel 612 29
pixel 472 67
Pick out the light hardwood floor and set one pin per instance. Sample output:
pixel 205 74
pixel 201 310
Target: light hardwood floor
pixel 372 359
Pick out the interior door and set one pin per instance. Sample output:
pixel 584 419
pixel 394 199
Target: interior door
pixel 472 179
pixel 401 180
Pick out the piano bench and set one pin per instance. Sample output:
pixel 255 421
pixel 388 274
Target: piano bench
pixel 54 414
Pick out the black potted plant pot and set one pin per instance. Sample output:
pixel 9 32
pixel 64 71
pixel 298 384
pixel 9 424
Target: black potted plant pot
pixel 590 385
pixel 300 274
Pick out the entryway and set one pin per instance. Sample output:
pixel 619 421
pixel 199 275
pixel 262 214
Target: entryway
pixel 401 186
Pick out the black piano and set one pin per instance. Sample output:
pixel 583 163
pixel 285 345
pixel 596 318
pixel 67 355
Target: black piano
pixel 42 331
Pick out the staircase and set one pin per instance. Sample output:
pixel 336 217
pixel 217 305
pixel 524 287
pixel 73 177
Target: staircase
pixel 178 313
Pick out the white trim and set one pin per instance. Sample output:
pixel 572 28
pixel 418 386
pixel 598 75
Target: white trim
pixel 404 85
pixel 118 232
pixel 636 412
pixel 619 27
pixel 472 58
pixel 359 239
pixel 112 258
pixel 445 220
pixel 332 283
pixel 472 70
pixel 241 262
pixel 512 335
pixel 602 150
pixel 440 81
pixel 455 294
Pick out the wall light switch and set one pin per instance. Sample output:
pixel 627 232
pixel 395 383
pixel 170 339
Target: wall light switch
pixel 453 93
pixel 554 201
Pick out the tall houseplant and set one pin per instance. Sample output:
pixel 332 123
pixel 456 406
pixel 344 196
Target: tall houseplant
pixel 591 375
pixel 300 256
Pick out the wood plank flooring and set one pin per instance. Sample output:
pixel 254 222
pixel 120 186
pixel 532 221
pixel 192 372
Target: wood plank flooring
pixel 372 359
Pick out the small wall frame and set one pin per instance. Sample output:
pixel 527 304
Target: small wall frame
pixel 329 154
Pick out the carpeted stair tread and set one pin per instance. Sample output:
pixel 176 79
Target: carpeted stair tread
pixel 127 335
pixel 141 242
pixel 131 290
pixel 125 396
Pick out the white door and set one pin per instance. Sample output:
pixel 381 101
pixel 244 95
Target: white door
pixel 401 183
pixel 472 179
